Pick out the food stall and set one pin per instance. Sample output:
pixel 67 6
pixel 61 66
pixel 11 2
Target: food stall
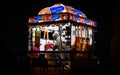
pixel 60 28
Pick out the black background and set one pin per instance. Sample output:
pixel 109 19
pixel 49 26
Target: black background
pixel 16 14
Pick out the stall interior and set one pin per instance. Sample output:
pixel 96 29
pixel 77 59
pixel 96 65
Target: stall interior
pixel 59 37
pixel 64 36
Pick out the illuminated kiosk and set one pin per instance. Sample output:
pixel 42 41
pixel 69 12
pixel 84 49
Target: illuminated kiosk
pixel 60 28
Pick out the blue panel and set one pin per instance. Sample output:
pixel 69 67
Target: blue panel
pixel 87 21
pixel 38 18
pixel 77 12
pixel 54 17
pixel 76 18
pixel 56 9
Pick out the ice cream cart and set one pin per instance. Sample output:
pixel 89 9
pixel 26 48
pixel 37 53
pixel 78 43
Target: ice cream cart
pixel 60 28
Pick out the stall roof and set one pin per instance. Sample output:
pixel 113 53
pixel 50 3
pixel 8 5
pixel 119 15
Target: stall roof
pixel 60 12
pixel 58 8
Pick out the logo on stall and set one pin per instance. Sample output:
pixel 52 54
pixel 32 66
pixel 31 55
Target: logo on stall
pixel 54 17
pixel 56 9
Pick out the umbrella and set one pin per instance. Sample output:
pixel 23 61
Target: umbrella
pixel 58 8
pixel 77 16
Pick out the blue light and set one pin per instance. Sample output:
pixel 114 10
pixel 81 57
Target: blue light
pixel 56 9
pixel 95 24
pixel 38 18
pixel 54 17
pixel 87 21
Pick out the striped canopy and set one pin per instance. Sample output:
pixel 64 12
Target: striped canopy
pixel 57 12
pixel 58 8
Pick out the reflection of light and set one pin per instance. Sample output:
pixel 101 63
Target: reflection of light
pixel 34 29
pixel 76 27
pixel 51 28
pixel 38 29
pixel 98 62
pixel 68 23
pixel 90 36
